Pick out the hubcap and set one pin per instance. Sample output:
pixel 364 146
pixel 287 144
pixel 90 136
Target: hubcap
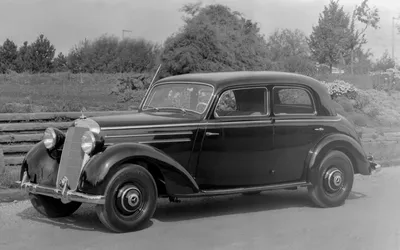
pixel 129 199
pixel 333 180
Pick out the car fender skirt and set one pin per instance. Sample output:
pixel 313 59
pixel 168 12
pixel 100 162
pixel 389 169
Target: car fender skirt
pixel 41 168
pixel 101 166
pixel 341 142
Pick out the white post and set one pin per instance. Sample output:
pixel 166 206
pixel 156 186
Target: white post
pixel 2 163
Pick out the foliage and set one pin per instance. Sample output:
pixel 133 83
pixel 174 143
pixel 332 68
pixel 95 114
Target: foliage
pixel 131 86
pixel 8 56
pixel 41 54
pixel 367 16
pixel 340 88
pixel 384 62
pixel 23 61
pixel 329 38
pixel 107 54
pixel 288 49
pixel 386 82
pixel 214 38
pixel 60 63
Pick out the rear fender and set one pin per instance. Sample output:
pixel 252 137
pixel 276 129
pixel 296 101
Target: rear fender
pixel 100 167
pixel 341 142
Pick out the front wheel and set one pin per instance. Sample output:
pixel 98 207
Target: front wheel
pixel 334 180
pixel 131 199
pixel 51 207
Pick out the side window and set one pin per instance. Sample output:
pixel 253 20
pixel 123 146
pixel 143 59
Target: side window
pixel 242 102
pixel 292 101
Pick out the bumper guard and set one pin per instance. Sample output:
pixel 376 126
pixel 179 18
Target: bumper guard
pixel 64 194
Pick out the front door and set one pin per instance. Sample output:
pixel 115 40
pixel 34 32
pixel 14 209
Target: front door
pixel 237 141
pixel 297 130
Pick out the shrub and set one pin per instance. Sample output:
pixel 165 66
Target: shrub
pixel 131 87
pixel 358 119
pixel 345 103
pixel 340 88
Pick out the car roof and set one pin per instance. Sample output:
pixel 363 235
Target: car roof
pixel 221 80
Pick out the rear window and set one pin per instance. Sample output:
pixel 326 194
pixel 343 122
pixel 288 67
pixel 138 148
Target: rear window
pixel 290 100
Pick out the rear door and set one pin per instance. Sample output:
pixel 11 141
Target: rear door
pixel 297 128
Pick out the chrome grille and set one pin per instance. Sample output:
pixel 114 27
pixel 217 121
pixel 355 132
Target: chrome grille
pixel 71 157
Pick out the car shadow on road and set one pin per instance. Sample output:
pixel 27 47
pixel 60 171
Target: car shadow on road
pixel 85 219
pixel 237 204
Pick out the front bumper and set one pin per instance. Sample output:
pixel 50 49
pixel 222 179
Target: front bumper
pixel 64 194
pixel 373 165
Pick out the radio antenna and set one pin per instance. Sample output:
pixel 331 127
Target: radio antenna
pixel 151 83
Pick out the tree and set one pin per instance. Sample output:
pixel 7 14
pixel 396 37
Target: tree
pixel 8 56
pixel 60 63
pixel 384 62
pixel 289 51
pixel 41 54
pixel 23 61
pixel 214 38
pixel 368 17
pixel 329 39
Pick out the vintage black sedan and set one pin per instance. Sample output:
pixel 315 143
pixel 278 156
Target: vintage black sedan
pixel 198 135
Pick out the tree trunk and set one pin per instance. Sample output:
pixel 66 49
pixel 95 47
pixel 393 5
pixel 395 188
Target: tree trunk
pixel 330 68
pixel 352 61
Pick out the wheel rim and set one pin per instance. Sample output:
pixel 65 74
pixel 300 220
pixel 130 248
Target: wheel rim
pixel 333 180
pixel 129 199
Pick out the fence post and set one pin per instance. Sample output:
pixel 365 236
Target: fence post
pixel 2 164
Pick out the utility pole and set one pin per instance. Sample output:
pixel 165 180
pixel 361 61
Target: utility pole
pixel 123 32
pixel 393 39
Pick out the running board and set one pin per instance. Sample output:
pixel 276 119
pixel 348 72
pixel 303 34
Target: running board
pixel 217 192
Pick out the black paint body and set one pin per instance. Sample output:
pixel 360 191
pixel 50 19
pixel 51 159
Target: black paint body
pixel 240 151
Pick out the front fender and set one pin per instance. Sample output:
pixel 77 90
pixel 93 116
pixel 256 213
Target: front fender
pixel 344 143
pixel 40 166
pixel 95 173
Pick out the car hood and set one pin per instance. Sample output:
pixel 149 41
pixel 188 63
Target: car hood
pixel 144 118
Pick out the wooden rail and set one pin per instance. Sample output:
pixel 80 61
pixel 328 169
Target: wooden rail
pixel 19 132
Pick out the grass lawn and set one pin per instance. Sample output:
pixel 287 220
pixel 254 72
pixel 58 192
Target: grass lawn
pixel 58 92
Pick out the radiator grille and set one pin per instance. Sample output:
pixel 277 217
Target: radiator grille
pixel 72 157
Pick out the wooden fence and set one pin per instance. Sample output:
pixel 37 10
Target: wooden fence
pixel 20 132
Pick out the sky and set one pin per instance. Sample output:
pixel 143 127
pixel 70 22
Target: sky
pixel 66 22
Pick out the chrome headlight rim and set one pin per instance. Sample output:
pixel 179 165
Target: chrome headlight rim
pixel 53 138
pixel 91 142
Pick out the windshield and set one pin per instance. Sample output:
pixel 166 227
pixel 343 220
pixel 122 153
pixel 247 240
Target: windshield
pixel 185 96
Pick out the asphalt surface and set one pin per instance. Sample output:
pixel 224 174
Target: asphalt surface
pixel 370 219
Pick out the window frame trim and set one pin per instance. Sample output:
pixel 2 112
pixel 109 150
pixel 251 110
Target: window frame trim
pixel 314 106
pixel 266 103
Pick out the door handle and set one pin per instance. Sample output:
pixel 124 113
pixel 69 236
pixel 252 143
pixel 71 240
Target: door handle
pixel 319 129
pixel 211 134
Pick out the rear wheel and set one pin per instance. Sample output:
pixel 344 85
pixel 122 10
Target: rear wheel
pixel 51 207
pixel 131 199
pixel 334 180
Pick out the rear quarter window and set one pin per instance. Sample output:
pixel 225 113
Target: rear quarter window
pixel 292 100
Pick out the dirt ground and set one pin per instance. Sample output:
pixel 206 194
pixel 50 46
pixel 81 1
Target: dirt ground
pixel 277 220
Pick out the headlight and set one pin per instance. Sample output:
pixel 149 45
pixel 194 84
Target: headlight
pixel 52 138
pixel 91 142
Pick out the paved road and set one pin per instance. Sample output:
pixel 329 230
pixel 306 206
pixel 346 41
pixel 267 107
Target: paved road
pixel 370 219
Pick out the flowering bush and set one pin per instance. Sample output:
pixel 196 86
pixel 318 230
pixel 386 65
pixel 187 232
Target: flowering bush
pixel 340 88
